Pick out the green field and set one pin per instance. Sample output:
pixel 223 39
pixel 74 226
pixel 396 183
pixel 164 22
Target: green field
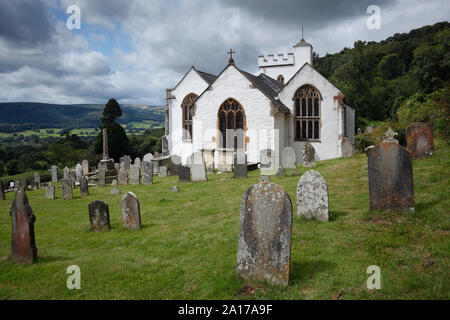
pixel 188 245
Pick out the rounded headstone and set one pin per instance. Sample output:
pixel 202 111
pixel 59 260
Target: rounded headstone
pixel 312 197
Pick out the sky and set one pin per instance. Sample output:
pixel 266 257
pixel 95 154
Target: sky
pixel 132 50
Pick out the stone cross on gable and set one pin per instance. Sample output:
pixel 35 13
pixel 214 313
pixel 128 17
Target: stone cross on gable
pixel 389 135
pixel 231 56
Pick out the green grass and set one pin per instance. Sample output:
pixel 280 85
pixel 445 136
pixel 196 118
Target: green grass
pixel 188 245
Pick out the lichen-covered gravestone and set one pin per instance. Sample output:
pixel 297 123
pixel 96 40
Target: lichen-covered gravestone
pixel 50 192
pixel 66 187
pixel 78 172
pixel 123 175
pixel 288 159
pixel 99 216
pixel 23 245
pixel 135 173
pixel 390 177
pixel 85 166
pixel 131 212
pixel 312 197
pixel 346 147
pixel 54 172
pixel 174 164
pixel 419 140
pixel 2 191
pixel 147 172
pixel 37 178
pixel 308 154
pixel 240 164
pixel 66 172
pixel 114 188
pixel 184 174
pixel 84 188
pixel 101 175
pixel 198 167
pixel 162 171
pixel 127 161
pixel 138 162
pixel 264 247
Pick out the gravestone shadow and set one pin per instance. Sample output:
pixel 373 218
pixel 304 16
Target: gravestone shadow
pixel 308 269
pixel 336 215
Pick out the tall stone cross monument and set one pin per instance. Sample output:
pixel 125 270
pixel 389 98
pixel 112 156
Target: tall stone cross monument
pixel 106 161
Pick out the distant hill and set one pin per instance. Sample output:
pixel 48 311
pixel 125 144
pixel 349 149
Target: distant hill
pixel 73 115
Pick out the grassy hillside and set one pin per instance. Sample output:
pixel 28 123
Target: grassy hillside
pixel 188 245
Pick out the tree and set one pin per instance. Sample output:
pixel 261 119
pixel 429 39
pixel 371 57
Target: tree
pixel 111 112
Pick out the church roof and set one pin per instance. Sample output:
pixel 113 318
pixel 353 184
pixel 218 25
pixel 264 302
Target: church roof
pixel 302 43
pixel 209 78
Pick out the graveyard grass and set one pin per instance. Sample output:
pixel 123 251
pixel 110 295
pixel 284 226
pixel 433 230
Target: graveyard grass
pixel 188 245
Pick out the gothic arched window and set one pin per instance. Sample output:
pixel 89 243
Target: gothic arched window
pixel 307 113
pixel 187 107
pixel 231 125
pixel 280 79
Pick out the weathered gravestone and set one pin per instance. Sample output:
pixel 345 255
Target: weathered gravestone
pixel 288 159
pixel 148 157
pixel 308 154
pixel 101 176
pixel 54 172
pixel 346 147
pixel 116 166
pixel 123 175
pixel 114 188
pixel 240 165
pixel 99 216
pixel 131 212
pixel 162 171
pixel 147 172
pixel 198 167
pixel 138 162
pixel 312 197
pixel 419 140
pixel 37 178
pixel 85 167
pixel 127 161
pixel 66 187
pixel 135 174
pixel 78 172
pixel 265 157
pixel 269 162
pixel 184 174
pixel 50 191
pixel 264 247
pixel 2 191
pixel 23 245
pixel 34 185
pixel 73 176
pixel 174 164
pixel 390 177
pixel 23 183
pixel 84 188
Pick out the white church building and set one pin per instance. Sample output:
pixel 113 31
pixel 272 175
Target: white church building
pixel 287 104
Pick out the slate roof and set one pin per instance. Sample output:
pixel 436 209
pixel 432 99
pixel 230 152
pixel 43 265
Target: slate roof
pixel 209 78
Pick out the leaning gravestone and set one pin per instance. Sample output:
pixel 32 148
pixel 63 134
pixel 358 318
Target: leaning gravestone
pixel 390 177
pixel 50 192
pixel 101 175
pixel 419 140
pixel 85 167
pixel 84 188
pixel 78 172
pixel 147 172
pixel 264 247
pixel 66 187
pixel 123 175
pixel 312 197
pixel 99 216
pixel 184 174
pixel 131 212
pixel 288 159
pixel 135 173
pixel 346 147
pixel 198 167
pixel 23 245
pixel 308 154
pixel 54 172
pixel 240 164
pixel 66 173
pixel 2 191
pixel 162 171
pixel 114 188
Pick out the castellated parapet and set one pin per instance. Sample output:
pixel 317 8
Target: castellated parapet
pixel 278 60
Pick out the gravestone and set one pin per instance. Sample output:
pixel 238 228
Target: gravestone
pixel 34 185
pixel 78 172
pixel 127 161
pixel 240 165
pixel 123 175
pixel 162 171
pixel 85 167
pixel 264 247
pixel 84 188
pixel 99 216
pixel 265 157
pixel 54 172
pixel 37 178
pixel 184 174
pixel 135 173
pixel 23 183
pixel 281 172
pixel 2 191
pixel 50 191
pixel 147 172
pixel 390 177
pixel 114 188
pixel 419 140
pixel 198 167
pixel 346 147
pixel 66 173
pixel 148 157
pixel 312 197
pixel 101 175
pixel 131 212
pixel 174 164
pixel 23 245
pixel 66 187
pixel 369 129
pixel 308 154
pixel 137 162
pixel 72 176
pixel 288 159
pixel 116 166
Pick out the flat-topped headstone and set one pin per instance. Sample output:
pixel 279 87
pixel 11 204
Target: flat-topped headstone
pixel 390 177
pixel 288 159
pixel 135 174
pixel 50 191
pixel 264 247
pixel 123 175
pixel 184 174
pixel 240 164
pixel 131 212
pixel 2 191
pixel 84 187
pixel 23 245
pixel 66 173
pixel 99 216
pixel 54 173
pixel 85 167
pixel 162 171
pixel 312 197
pixel 114 187
pixel 147 172
pixel 419 140
pixel 101 175
pixel 308 154
pixel 78 172
pixel 198 167
pixel 346 147
pixel 66 188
